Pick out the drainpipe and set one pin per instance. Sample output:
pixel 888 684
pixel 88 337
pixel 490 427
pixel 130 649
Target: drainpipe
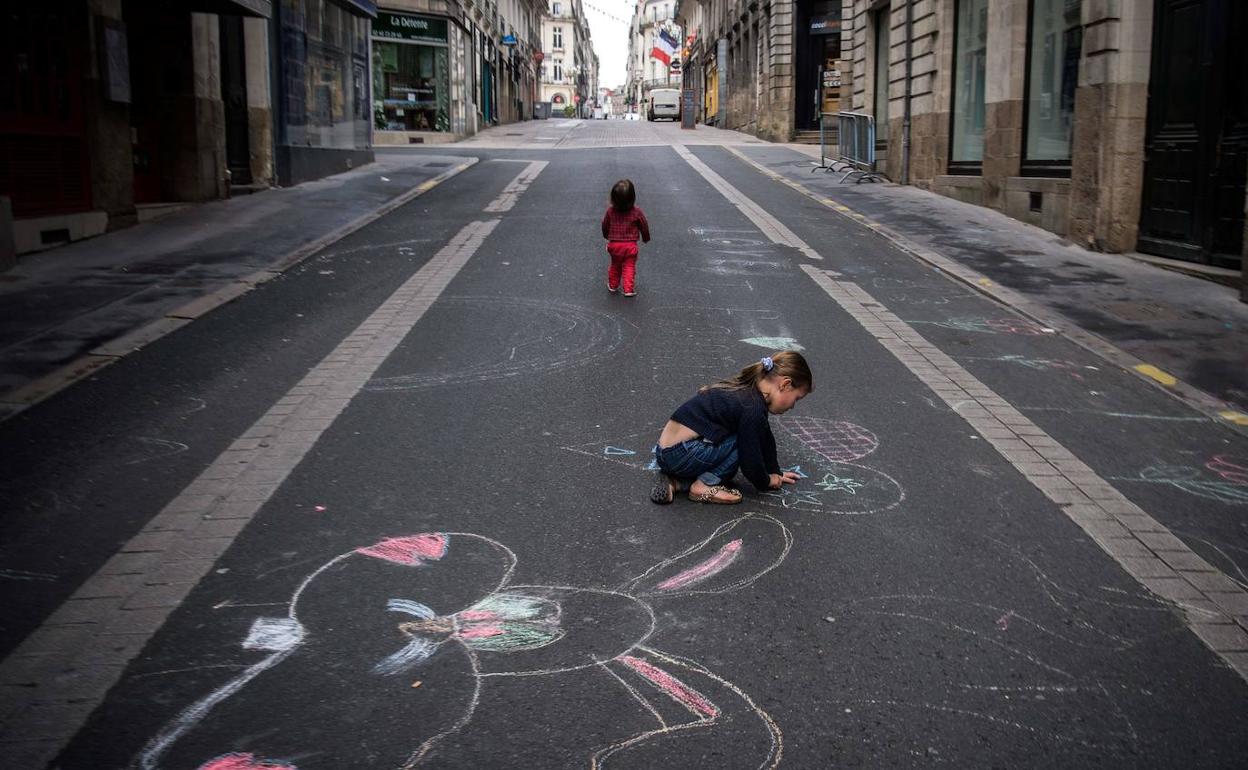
pixel 721 63
pixel 905 119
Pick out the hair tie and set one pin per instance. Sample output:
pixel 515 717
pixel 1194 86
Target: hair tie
pixel 767 363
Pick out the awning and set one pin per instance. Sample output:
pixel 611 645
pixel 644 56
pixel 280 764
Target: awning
pixel 261 9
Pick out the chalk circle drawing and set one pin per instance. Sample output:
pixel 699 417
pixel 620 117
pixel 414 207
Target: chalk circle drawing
pixel 988 325
pixel 774 343
pixel 553 336
pixel 825 450
pixel 388 650
pixel 1231 488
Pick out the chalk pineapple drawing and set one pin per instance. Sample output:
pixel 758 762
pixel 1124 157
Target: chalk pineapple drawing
pixel 388 650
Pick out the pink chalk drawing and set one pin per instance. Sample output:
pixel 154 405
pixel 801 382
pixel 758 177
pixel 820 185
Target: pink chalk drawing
pixel 363 672
pixel 834 440
pixel 1231 469
pixel 244 762
pixel 678 690
pixel 408 550
pixel 711 566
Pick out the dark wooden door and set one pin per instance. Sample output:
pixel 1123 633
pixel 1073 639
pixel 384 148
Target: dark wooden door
pixel 234 94
pixel 1196 149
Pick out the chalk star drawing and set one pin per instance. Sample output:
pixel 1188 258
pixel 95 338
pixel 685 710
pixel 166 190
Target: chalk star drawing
pixel 615 450
pixel 832 482
pixel 363 659
pixel 774 343
pixel 796 469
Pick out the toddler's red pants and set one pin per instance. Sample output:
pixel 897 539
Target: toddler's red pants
pixel 623 264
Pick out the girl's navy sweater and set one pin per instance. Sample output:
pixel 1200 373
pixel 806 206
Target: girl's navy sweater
pixel 717 413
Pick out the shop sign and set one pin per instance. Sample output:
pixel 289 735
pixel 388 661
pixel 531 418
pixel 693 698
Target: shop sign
pixel 825 25
pixel 509 39
pixel 556 99
pixel 404 26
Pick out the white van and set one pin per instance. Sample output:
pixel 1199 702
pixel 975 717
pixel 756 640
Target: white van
pixel 664 103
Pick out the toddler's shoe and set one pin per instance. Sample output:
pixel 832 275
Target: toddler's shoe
pixel 630 294
pixel 612 289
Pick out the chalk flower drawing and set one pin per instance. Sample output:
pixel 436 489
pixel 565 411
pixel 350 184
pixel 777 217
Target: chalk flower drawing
pixel 387 650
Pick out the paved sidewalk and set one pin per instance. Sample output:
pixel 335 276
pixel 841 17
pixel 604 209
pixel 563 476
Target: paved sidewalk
pixel 70 310
pixel 1187 334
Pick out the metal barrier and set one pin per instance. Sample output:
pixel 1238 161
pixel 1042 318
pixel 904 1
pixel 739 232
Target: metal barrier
pixel 855 147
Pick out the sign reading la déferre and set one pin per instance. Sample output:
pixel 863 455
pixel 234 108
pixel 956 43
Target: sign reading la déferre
pixel 406 26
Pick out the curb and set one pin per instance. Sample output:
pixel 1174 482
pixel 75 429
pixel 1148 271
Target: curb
pixel 1217 410
pixel 33 392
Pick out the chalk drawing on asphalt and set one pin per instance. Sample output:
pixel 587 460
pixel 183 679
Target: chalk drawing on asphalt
pixel 988 325
pixel 774 343
pixel 446 619
pixel 1230 485
pixel 827 450
pixel 553 336
pixel 1036 663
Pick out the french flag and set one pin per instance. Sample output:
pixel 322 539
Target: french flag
pixel 664 47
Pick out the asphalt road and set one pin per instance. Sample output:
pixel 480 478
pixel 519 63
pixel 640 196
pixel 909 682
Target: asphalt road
pixel 915 601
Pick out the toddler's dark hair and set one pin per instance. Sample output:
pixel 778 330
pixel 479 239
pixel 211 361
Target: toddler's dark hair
pixel 623 196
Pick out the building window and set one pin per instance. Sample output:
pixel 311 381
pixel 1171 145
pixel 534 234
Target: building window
pixel 558 9
pixel 556 34
pixel 411 86
pixel 966 148
pixel 1055 38
pixel 558 70
pixel 881 75
pixel 326 76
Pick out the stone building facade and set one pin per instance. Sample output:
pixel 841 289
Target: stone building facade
pixel 767 67
pixel 1094 119
pixel 569 69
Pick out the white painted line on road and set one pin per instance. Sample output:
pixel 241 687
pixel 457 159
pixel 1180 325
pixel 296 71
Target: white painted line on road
pixel 512 192
pixel 1216 607
pixel 59 674
pixel 769 225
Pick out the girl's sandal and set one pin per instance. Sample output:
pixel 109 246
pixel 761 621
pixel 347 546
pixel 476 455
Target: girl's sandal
pixel 664 489
pixel 711 495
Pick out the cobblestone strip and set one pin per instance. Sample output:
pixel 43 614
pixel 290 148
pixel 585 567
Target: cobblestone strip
pixel 1216 607
pixel 61 672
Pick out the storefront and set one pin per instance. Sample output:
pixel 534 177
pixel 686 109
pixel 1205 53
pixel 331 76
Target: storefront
pixel 323 120
pixel 417 78
pixel 818 39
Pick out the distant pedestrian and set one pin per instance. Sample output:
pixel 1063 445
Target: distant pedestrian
pixel 724 428
pixel 622 225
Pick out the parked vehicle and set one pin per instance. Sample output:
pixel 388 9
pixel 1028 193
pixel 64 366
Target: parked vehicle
pixel 664 103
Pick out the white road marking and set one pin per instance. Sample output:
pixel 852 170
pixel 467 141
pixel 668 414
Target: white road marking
pixel 512 192
pixel 771 227
pixel 1215 606
pixel 60 673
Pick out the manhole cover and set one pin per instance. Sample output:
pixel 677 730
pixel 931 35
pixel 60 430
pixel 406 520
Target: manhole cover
pixel 1141 311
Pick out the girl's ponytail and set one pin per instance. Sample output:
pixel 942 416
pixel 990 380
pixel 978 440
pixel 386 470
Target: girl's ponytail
pixel 785 363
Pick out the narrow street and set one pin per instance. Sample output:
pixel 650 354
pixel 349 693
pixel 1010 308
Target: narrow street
pixel 288 530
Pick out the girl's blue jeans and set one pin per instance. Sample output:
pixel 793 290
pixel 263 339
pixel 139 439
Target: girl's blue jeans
pixel 698 458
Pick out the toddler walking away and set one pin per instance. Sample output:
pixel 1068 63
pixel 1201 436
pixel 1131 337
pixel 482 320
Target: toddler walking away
pixel 724 428
pixel 622 225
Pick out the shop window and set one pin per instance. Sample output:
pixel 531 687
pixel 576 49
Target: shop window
pixel 881 75
pixel 412 87
pixel 966 148
pixel 1055 38
pixel 326 76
